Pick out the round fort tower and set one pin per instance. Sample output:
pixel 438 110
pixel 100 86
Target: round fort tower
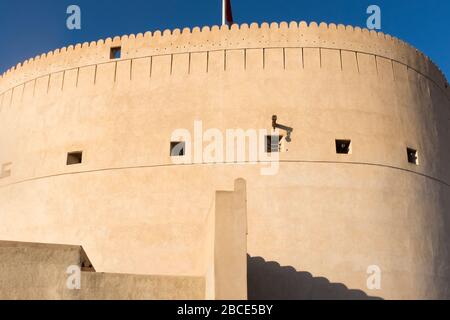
pixel 364 181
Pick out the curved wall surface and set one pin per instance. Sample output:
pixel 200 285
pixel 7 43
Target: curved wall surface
pixel 331 215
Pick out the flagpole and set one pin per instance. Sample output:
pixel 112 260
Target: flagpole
pixel 224 10
pixel 227 14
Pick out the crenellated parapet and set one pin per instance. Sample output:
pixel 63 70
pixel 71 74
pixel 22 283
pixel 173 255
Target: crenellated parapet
pixel 219 38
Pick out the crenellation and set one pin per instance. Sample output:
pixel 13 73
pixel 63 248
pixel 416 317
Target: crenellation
pixel 254 26
pixel 283 25
pixel 273 26
pixel 18 67
pixel 282 35
pixel 292 25
pixel 323 26
pixel 263 26
pixel 341 27
pixel 313 26
pixel 349 29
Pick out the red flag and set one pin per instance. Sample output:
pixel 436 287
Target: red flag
pixel 227 16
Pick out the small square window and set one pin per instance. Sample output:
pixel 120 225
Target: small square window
pixel 273 143
pixel 74 158
pixel 343 146
pixel 116 53
pixel 177 148
pixel 413 156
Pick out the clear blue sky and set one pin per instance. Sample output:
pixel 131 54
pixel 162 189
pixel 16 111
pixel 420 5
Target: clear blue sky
pixel 32 27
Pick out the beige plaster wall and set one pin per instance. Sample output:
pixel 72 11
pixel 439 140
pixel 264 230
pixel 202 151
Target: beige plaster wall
pixel 226 245
pixel 327 214
pixel 33 271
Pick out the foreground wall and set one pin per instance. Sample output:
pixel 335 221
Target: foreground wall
pixel 64 272
pixel 326 214
pixel 33 271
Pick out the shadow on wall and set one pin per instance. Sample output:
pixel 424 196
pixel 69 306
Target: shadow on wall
pixel 286 283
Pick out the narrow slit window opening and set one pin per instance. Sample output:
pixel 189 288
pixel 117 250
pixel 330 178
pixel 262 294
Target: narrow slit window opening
pixel 116 53
pixel 413 156
pixel 75 157
pixel 343 146
pixel 273 143
pixel 177 148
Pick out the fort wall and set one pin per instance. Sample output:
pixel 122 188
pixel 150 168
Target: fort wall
pixel 329 214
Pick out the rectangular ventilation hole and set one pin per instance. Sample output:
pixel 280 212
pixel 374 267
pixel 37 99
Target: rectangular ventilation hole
pixel 177 148
pixel 116 52
pixel 413 156
pixel 273 143
pixel 343 146
pixel 74 158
